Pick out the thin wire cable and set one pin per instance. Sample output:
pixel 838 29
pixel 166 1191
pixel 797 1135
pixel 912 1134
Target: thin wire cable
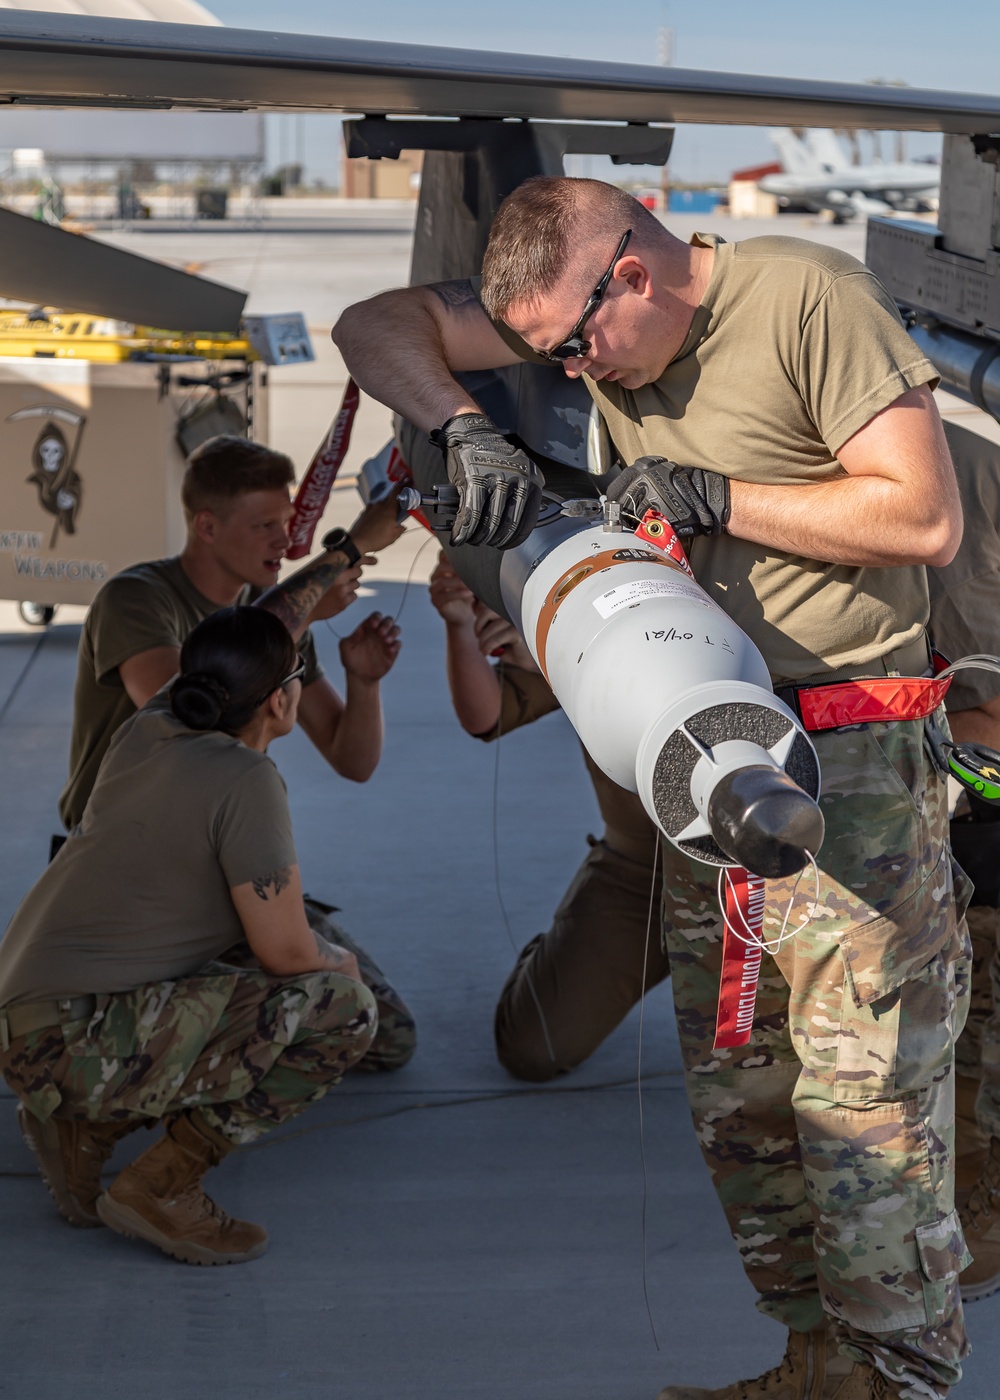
pixel 499 886
pixel 458 1101
pixel 638 1086
pixel 752 939
pixel 541 1014
pixel 273 1140
pixel 409 577
pixel 15 688
pixel 406 586
pixel 496 838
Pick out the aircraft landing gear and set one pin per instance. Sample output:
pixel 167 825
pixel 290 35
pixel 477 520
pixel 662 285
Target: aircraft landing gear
pixel 36 614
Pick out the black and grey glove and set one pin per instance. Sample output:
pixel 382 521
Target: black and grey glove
pixel 696 502
pixel 499 488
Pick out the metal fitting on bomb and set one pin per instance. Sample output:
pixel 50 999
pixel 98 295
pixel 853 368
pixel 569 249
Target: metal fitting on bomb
pixel 409 499
pixel 439 505
pixel 612 516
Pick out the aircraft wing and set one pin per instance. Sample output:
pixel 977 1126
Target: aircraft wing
pixel 52 267
pixel 62 60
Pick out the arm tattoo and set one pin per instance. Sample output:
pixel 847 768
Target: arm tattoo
pixel 280 879
pixel 294 599
pixel 457 293
pixel 333 953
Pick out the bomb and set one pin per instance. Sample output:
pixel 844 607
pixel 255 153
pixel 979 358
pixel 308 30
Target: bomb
pixel 667 693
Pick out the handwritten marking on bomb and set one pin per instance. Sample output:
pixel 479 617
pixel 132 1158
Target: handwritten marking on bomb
pixel 671 634
pixel 627 595
pixel 599 562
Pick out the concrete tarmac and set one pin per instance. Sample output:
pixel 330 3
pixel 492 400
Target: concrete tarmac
pixel 440 1233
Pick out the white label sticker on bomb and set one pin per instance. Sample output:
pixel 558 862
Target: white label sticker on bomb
pixel 640 590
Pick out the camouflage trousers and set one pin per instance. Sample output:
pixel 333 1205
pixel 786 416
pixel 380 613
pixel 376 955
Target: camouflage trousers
pixel 830 1136
pixel 977 1055
pixel 396 1037
pixel 249 1050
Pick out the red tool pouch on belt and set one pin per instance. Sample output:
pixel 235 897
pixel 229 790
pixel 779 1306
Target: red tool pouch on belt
pixel 871 701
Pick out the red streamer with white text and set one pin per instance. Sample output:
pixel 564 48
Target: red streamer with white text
pixel 316 485
pixel 743 911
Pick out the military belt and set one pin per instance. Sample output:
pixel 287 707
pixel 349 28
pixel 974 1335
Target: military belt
pixel 28 1016
pixel 910 693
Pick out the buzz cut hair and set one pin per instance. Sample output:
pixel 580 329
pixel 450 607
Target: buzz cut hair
pixel 224 468
pixel 553 228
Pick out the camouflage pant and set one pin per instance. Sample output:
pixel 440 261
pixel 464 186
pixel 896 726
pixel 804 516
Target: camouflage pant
pixel 572 986
pixel 830 1136
pixel 249 1050
pixel 977 1054
pixel 396 1037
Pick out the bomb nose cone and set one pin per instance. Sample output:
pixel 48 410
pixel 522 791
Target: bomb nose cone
pixel 764 821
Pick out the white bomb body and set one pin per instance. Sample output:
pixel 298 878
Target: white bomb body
pixel 669 696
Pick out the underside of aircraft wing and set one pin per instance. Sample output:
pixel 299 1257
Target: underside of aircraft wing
pixel 55 268
pixel 60 60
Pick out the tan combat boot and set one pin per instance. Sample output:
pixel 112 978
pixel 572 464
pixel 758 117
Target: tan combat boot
pixel 980 1218
pixel 70 1156
pixel 866 1383
pixel 159 1198
pixel 813 1368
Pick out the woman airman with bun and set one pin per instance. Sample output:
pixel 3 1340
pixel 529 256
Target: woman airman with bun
pixel 118 1006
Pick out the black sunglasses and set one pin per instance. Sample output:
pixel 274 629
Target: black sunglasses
pixel 295 675
pixel 574 346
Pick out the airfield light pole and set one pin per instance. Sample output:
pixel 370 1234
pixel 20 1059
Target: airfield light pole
pixel 666 44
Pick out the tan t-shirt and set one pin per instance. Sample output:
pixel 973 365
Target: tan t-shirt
pixel 965 594
pixel 794 348
pixel 149 605
pixel 140 891
pixel 526 696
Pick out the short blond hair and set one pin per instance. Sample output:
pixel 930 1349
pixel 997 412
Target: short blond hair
pixel 225 467
pixel 552 227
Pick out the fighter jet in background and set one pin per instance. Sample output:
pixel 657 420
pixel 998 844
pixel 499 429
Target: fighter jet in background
pixel 818 175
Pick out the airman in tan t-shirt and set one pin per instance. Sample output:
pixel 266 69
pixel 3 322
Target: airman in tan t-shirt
pixel 761 391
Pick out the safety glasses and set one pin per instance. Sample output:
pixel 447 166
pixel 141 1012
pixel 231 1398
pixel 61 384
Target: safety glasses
pixel 295 675
pixel 575 346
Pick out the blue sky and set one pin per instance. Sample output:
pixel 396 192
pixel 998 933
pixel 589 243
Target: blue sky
pixel 926 44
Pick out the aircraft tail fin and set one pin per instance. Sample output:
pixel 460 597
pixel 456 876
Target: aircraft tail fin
pixel 795 155
pixel 827 151
pixel 813 153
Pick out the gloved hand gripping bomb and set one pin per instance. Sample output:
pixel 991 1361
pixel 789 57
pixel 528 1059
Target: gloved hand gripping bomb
pixel 696 502
pixel 499 487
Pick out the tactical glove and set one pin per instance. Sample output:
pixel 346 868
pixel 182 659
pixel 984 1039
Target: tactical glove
pixel 695 502
pixel 499 488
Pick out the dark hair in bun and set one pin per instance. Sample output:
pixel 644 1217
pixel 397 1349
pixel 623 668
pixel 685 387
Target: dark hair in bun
pixel 230 664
